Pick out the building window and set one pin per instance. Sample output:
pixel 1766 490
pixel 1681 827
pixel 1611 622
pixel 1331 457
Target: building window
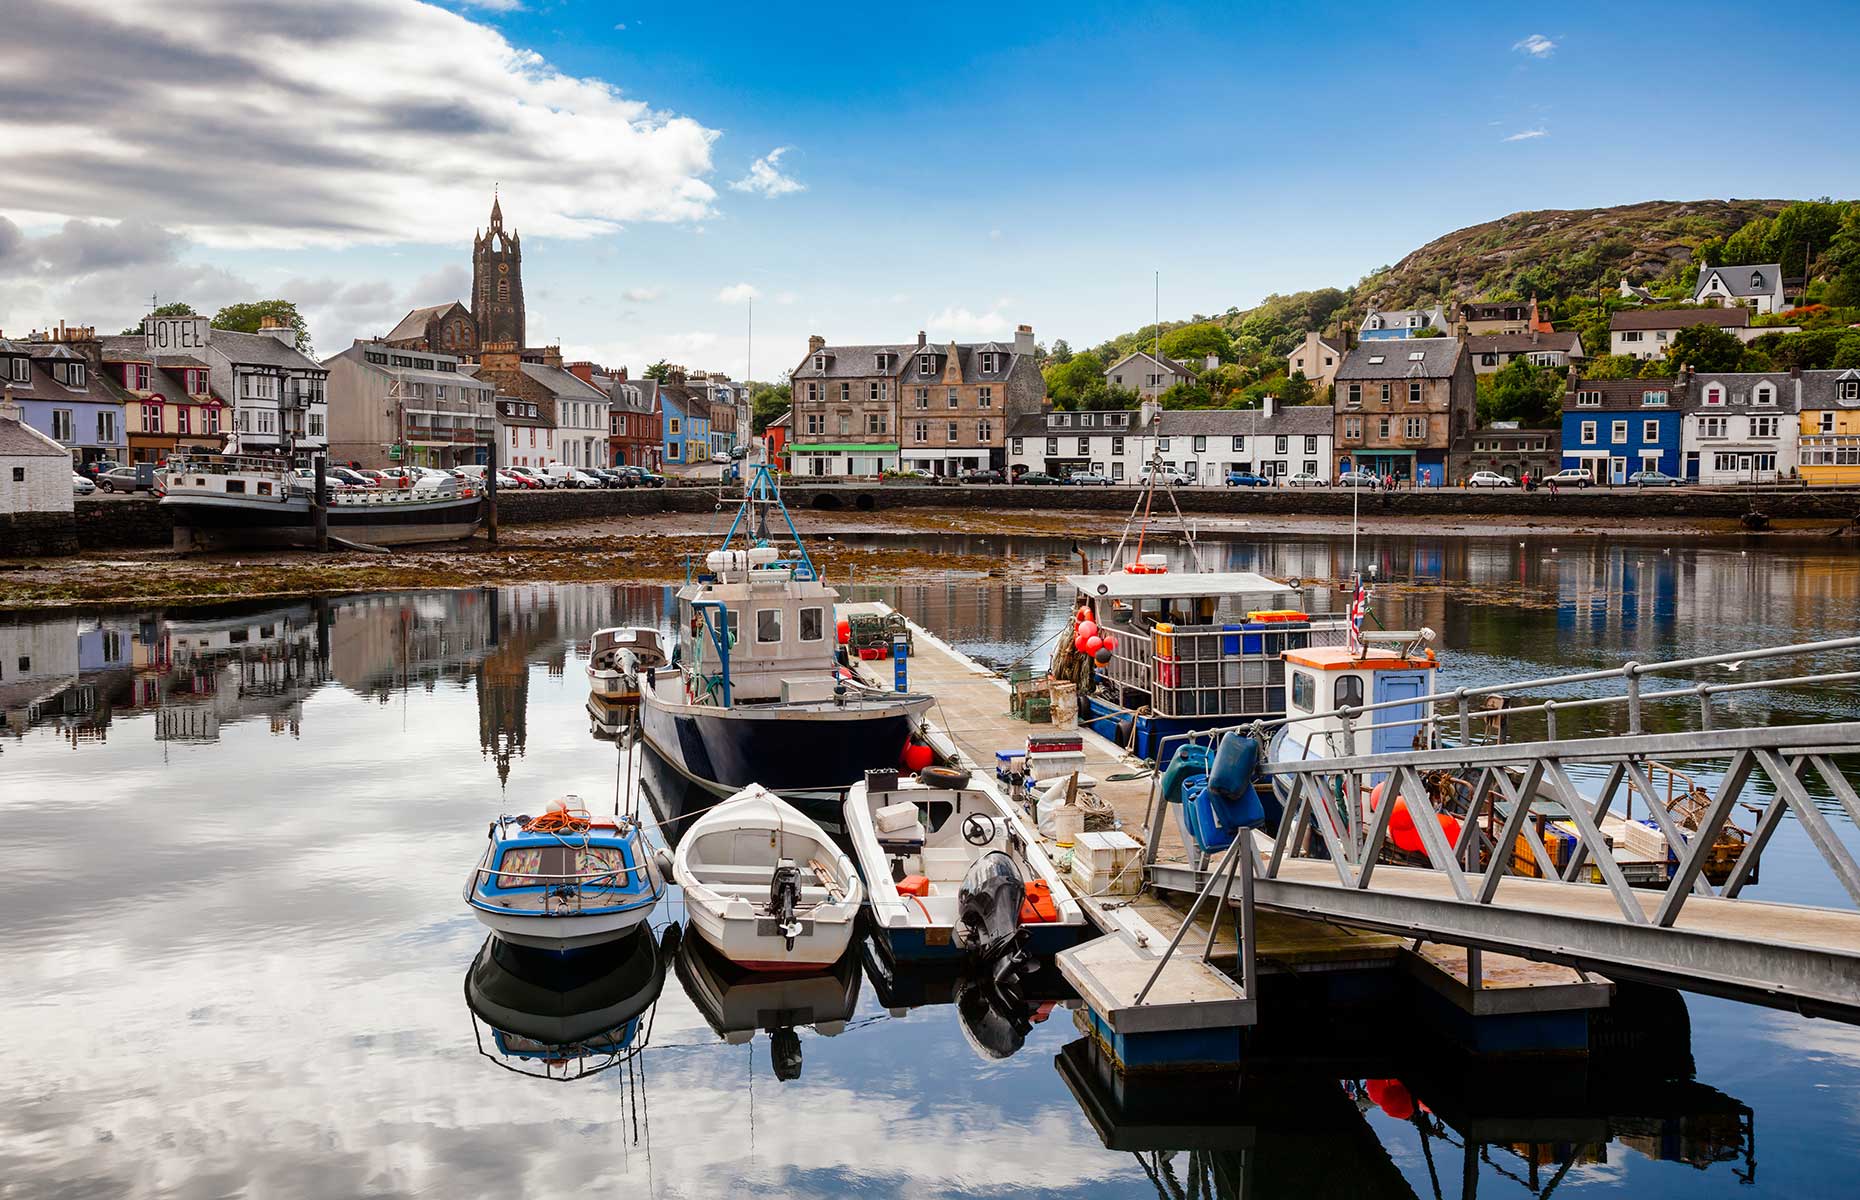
pixel 845 393
pixel 1588 399
pixel 1588 433
pixel 20 369
pixel 875 423
pixel 1162 444
pixel 1631 336
pixel 1239 445
pixel 1649 431
pixel 926 364
pixel 875 390
pixel 1117 445
pixel 1278 444
pixel 881 362
pixel 988 364
pixel 19 474
pixel 1763 394
pixel 1415 428
pixel 1353 428
pixel 984 397
pixel 151 418
pixel 1714 394
pixel 1355 398
pixel 1085 447
pixel 139 376
pixel 183 419
pixel 672 426
pixel 1052 445
pixel 1710 427
pixel 1019 446
pixel 1617 432
pixel 1414 391
pixel 1310 443
pixel 813 392
pixel 955 398
pixel 503 291
pixel 1653 399
pixel 1382 428
pixel 984 431
pixel 921 397
pixel 213 418
pixel 316 424
pixel 921 431
pixel 1763 427
pixel 815 424
pixel 106 428
pixel 952 435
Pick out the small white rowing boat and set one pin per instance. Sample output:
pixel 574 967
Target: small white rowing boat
pixel 766 886
pixel 616 657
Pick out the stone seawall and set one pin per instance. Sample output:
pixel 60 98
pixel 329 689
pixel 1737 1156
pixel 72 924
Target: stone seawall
pixel 136 523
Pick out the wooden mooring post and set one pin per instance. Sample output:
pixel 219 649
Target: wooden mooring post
pixel 319 505
pixel 490 494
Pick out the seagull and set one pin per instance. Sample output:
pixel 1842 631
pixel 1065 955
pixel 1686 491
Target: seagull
pixel 1731 666
pixel 1553 550
pixel 1668 550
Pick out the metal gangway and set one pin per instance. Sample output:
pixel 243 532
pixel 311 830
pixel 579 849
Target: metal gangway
pixel 1496 887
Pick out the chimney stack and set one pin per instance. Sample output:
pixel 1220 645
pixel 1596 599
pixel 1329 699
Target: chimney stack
pixel 11 409
pixel 816 343
pixel 583 371
pixel 920 339
pixel 622 375
pixel 1023 341
pixel 552 357
pixel 276 327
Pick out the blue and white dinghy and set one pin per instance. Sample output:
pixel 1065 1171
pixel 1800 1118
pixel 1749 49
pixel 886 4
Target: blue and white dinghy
pixel 564 880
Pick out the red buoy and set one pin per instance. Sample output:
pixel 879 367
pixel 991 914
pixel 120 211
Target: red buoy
pixel 1087 629
pixel 1391 1096
pixel 916 757
pixel 845 631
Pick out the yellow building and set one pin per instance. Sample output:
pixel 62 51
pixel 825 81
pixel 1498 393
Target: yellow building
pixel 1831 430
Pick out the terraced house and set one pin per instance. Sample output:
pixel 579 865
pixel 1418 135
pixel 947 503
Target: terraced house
pixel 172 405
pixel 1830 428
pixel 1402 404
pixel 1615 427
pixel 60 394
pixel 863 410
pixel 1742 427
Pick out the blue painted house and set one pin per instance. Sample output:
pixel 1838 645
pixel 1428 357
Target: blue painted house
pixel 1615 427
pixel 687 421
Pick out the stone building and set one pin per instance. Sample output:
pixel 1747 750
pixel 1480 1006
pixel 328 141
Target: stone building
pixel 381 396
pixel 1402 403
pixel 862 410
pixel 497 282
pixel 1509 449
pixel 447 328
pixel 575 410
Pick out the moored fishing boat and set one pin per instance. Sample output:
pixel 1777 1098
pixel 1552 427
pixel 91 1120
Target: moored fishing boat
pixel 563 880
pixel 753 694
pixel 231 501
pixel 766 886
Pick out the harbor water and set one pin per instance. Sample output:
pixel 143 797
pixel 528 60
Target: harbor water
pixel 237 961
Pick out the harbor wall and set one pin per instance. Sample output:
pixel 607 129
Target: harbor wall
pixel 111 523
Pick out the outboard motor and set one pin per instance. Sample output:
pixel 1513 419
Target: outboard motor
pixel 988 925
pixel 785 1053
pixel 784 898
pixel 995 1025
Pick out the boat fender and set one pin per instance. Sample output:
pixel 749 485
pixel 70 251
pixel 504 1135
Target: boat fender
pixel 1230 780
pixel 947 778
pixel 662 858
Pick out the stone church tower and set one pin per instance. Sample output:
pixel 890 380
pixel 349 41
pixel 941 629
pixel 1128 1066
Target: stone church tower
pixel 497 282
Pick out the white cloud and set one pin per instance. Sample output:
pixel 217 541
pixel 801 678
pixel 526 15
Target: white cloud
pixel 765 176
pixel 736 293
pixel 493 5
pixel 959 322
pixel 642 295
pixel 1527 134
pixel 279 125
pixel 786 297
pixel 1536 45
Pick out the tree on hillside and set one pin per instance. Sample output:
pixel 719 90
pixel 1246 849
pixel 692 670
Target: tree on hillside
pixel 1611 366
pixel 1068 382
pixel 1193 343
pixel 769 403
pixel 1703 348
pixel 659 371
pixel 1521 391
pixel 249 316
pixel 1298 390
pixel 179 308
pixel 1061 352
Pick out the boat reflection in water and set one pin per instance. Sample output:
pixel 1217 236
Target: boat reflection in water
pixel 1344 1113
pixel 570 1016
pixel 994 1021
pixel 737 1003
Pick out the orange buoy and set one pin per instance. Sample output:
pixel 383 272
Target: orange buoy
pixel 1402 829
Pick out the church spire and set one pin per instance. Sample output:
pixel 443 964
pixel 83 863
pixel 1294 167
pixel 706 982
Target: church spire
pixel 497 212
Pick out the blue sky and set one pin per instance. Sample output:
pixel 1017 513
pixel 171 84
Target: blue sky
pixel 959 168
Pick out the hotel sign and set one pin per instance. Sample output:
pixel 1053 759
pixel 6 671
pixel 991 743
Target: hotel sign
pixel 175 335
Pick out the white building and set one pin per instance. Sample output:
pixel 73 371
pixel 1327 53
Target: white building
pixel 1758 287
pixel 580 413
pixel 277 393
pixel 381 396
pixel 526 434
pixel 1742 427
pixel 35 471
pixel 1204 444
pixel 1646 333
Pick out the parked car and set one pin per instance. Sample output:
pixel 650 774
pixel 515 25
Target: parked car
pixel 1306 479
pixel 1036 478
pixel 352 478
pixel 1247 479
pixel 1489 479
pixel 81 486
pixel 916 473
pixel 607 475
pixel 1367 479
pixel 641 477
pixel 126 479
pixel 1647 479
pixel 539 478
pixel 1574 477
pixel 1168 476
pixel 1087 479
pixel 97 467
pixel 981 476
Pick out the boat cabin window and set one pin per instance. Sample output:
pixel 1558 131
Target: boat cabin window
pixel 1349 692
pixel 533 866
pixel 768 624
pixel 235 486
pixel 1304 691
pixel 813 624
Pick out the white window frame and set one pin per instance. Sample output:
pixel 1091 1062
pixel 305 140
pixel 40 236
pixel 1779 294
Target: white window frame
pixel 1617 433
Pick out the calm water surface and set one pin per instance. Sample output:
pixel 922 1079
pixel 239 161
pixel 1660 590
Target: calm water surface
pixel 236 960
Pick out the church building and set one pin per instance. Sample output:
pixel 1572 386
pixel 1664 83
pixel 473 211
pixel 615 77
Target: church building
pixel 496 311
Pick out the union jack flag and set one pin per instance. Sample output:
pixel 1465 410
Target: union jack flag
pixel 1359 608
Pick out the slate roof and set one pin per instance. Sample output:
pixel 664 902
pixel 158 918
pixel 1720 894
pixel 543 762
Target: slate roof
pixel 854 362
pixel 1166 363
pixel 1293 420
pixel 260 350
pixel 1679 318
pixel 414 324
pixel 134 348
pixel 1736 279
pixel 648 389
pixel 1738 386
pixel 968 358
pixel 1624 395
pixel 1027 425
pixel 1440 357
pixel 1513 343
pixel 561 383
pixel 98 387
pixel 1399 318
pixel 22 441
